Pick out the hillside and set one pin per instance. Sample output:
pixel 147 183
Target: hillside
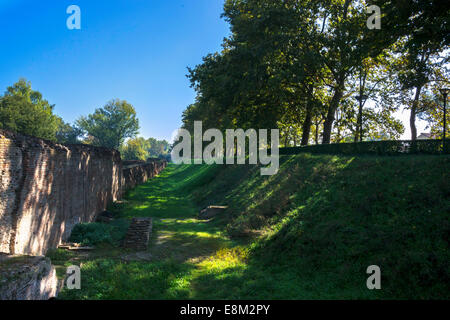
pixel 308 232
pixel 330 217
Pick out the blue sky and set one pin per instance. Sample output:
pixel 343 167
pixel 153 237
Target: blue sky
pixel 136 50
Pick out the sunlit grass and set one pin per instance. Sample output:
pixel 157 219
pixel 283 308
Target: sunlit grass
pixel 179 241
pixel 308 232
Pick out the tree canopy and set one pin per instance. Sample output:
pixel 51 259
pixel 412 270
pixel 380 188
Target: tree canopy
pixel 300 66
pixel 24 110
pixel 142 149
pixel 111 125
pixel 135 149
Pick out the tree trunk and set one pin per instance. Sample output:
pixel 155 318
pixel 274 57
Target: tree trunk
pixel 317 123
pixel 306 128
pixel 356 134
pixel 334 103
pixel 338 93
pixel 412 119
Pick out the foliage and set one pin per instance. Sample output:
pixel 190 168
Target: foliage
pixel 25 110
pixel 157 148
pixel 68 134
pixel 111 125
pixel 135 149
pixel 298 65
pixel 90 234
pixel 142 149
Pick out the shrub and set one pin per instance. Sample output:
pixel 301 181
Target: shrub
pixel 89 234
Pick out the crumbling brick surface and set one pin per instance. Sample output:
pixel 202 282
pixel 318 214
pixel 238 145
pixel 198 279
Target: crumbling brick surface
pixel 138 234
pixel 27 278
pixel 138 173
pixel 47 188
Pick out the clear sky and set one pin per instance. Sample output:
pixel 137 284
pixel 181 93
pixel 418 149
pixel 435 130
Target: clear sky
pixel 136 50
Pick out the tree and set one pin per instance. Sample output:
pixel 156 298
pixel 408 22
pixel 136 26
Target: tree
pixel 297 65
pixel 264 76
pixel 286 64
pixel 417 69
pixel 68 134
pixel 345 44
pixel 157 148
pixel 142 149
pixel 432 110
pixel 135 149
pixel 24 110
pixel 111 125
pixel 421 31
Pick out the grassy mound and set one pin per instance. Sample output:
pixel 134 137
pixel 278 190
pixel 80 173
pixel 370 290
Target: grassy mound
pixel 327 218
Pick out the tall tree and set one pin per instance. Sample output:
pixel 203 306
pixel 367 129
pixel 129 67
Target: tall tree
pixel 417 69
pixel 421 29
pixel 111 125
pixel 297 65
pixel 24 110
pixel 344 45
pixel 135 149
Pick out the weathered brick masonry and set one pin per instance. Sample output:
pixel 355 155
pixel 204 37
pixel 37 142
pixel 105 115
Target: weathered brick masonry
pixel 47 188
pixel 139 172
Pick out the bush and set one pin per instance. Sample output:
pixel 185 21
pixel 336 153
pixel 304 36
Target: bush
pixel 89 234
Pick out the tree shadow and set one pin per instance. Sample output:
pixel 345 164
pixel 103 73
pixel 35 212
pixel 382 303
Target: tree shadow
pixel 345 214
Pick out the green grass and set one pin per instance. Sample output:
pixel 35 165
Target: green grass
pixel 179 241
pixel 308 232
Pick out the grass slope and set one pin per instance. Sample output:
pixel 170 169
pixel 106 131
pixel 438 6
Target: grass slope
pixel 308 232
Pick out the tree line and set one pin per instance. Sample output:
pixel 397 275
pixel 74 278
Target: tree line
pixel 115 125
pixel 314 70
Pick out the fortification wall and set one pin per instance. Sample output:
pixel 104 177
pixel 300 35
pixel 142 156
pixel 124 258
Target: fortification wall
pixel 47 188
pixel 138 173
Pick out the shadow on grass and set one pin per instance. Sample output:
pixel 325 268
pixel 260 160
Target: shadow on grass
pixel 342 215
pixel 327 218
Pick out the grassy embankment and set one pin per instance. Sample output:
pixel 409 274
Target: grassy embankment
pixel 309 231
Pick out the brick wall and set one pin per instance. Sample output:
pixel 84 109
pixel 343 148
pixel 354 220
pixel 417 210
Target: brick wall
pixel 47 188
pixel 134 174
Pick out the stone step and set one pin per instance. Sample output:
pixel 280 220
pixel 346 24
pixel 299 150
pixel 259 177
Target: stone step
pixel 138 234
